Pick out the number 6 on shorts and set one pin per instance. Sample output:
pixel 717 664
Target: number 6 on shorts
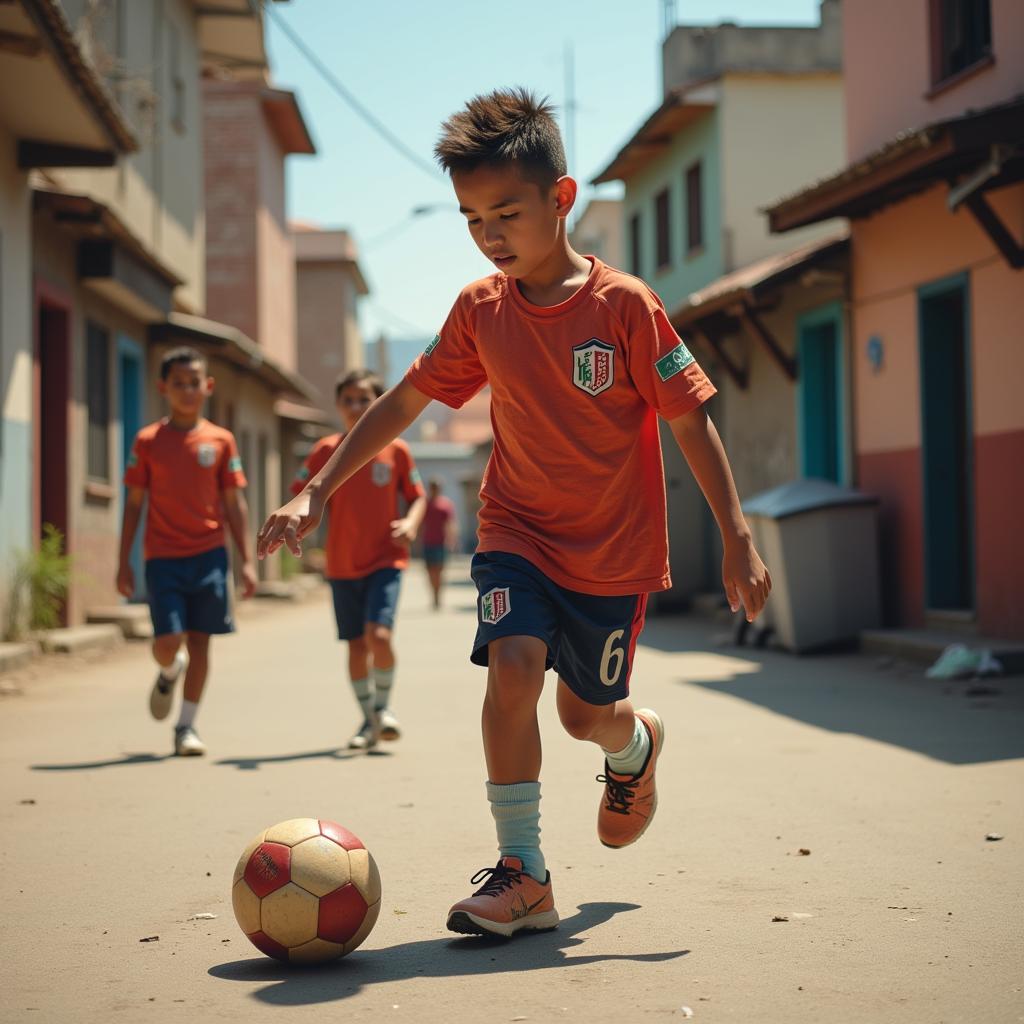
pixel 612 659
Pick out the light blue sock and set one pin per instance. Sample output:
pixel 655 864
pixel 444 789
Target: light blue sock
pixel 516 810
pixel 383 679
pixel 631 758
pixel 363 689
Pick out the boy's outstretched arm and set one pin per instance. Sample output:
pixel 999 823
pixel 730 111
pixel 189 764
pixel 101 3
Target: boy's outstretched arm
pixel 379 426
pixel 236 511
pixel 134 498
pixel 744 575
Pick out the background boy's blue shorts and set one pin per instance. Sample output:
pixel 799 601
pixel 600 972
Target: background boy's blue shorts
pixel 190 594
pixel 372 598
pixel 591 639
pixel 435 554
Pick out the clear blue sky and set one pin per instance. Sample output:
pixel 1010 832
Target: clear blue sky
pixel 412 65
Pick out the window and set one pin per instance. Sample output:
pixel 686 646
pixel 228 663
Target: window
pixel 694 208
pixel 177 83
pixel 662 234
pixel 97 400
pixel 635 266
pixel 961 32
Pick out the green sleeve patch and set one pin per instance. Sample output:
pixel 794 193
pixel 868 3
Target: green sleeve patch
pixel 672 362
pixel 414 477
pixel 430 348
pixel 133 459
pixel 303 473
pixel 235 464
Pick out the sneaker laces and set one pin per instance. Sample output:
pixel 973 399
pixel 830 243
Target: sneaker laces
pixel 499 878
pixel 620 793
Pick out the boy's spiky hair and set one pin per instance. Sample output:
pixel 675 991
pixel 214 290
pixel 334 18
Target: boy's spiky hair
pixel 358 376
pixel 180 355
pixel 505 126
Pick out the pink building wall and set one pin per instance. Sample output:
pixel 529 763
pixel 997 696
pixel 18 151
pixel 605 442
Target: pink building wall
pixel 887 69
pixel 895 252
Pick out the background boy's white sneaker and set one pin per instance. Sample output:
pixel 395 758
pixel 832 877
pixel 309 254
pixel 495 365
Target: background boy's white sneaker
pixel 187 742
pixel 162 695
pixel 388 724
pixel 366 738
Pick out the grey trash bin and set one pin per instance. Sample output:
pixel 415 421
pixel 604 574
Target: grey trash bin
pixel 820 543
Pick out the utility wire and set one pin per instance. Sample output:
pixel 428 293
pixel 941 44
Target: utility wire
pixel 328 76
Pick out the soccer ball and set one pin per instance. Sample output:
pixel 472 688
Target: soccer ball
pixel 306 891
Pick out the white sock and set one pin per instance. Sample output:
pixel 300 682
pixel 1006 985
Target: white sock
pixel 630 759
pixel 188 713
pixel 172 671
pixel 364 691
pixel 383 680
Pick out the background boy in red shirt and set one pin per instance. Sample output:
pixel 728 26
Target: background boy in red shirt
pixel 581 359
pixel 438 536
pixel 367 549
pixel 192 474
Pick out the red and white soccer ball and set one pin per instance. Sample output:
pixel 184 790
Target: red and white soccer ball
pixel 306 891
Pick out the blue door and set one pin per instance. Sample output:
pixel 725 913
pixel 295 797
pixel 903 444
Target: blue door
pixel 820 394
pixel 946 444
pixel 129 379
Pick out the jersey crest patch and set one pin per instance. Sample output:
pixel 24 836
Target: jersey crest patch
pixel 495 605
pixel 672 362
pixel 593 366
pixel 381 473
pixel 207 455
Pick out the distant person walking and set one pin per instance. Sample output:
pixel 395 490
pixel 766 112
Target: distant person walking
pixel 438 536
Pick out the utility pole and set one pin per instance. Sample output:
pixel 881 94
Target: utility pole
pixel 668 17
pixel 570 115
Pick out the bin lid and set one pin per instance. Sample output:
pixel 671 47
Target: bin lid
pixel 809 495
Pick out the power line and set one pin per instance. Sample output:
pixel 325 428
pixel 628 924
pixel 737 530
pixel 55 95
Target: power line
pixel 383 313
pixel 328 76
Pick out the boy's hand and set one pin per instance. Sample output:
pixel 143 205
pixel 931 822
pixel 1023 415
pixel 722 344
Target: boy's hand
pixel 125 581
pixel 747 581
pixel 403 532
pixel 248 580
pixel 289 524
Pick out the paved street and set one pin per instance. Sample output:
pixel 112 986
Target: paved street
pixel 901 911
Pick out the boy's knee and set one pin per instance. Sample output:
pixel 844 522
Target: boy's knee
pixel 165 647
pixel 579 722
pixel 378 638
pixel 198 643
pixel 516 673
pixel 358 645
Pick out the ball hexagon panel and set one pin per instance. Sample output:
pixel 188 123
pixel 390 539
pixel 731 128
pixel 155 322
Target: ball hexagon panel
pixel 342 914
pixel 246 854
pixel 365 876
pixel 289 915
pixel 268 868
pixel 340 835
pixel 265 944
pixel 247 907
pixel 317 951
pixel 319 865
pixel 293 831
pixel 364 929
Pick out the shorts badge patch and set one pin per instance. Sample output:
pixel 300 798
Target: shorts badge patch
pixel 495 605
pixel 672 362
pixel 381 473
pixel 207 455
pixel 593 366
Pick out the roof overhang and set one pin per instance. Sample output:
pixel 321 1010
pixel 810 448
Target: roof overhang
pixel 681 108
pixel 945 151
pixel 751 284
pixel 111 260
pixel 283 114
pixel 229 343
pixel 52 100
pixel 327 246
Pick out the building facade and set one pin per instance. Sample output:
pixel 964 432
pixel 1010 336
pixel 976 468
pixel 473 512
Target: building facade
pixel 934 192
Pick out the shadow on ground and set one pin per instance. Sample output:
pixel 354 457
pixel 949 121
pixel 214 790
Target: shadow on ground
pixel 431 958
pixel 251 764
pixel 955 722
pixel 123 761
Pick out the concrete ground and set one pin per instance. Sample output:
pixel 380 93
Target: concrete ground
pixel 900 911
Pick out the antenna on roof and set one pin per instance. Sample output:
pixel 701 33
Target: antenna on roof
pixel 668 17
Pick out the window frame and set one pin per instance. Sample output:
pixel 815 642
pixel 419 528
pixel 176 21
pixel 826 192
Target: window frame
pixel 636 249
pixel 663 229
pixel 941 77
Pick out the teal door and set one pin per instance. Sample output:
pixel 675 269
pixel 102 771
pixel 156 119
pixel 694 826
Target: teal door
pixel 946 445
pixel 129 390
pixel 820 398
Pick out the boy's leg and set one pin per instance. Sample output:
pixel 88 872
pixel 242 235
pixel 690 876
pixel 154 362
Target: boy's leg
pixel 167 611
pixel 381 607
pixel 349 598
pixel 186 741
pixel 168 655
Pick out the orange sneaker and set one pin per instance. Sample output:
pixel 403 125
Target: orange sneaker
pixel 629 801
pixel 509 901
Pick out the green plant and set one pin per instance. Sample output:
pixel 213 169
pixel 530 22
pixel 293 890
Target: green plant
pixel 39 585
pixel 290 565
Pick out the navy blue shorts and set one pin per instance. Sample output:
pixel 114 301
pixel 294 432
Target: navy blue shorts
pixel 591 639
pixel 190 594
pixel 435 554
pixel 372 598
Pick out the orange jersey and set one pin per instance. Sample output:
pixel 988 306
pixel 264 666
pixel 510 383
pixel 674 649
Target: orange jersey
pixel 184 472
pixel 361 510
pixel 575 482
